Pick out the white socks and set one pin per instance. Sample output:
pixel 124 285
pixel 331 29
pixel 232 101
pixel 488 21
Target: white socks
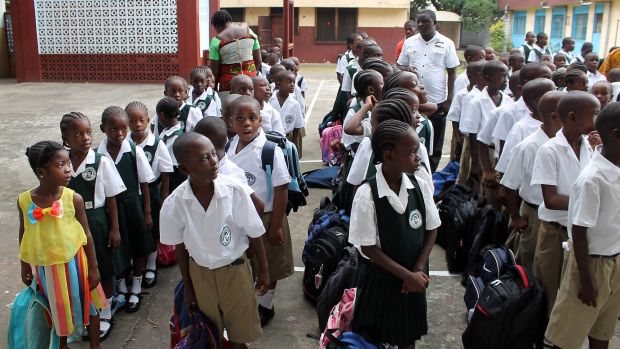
pixel 266 301
pixel 106 313
pixel 136 288
pixel 151 262
pixel 121 288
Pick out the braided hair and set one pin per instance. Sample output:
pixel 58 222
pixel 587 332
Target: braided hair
pixel 201 69
pixel 111 112
pixel 40 154
pixel 68 118
pixel 364 79
pixel 168 106
pixel 382 67
pixel 574 72
pixel 398 93
pixel 173 78
pixel 393 109
pixel 386 137
pixel 137 105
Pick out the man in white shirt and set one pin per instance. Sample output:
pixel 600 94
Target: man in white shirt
pixel 432 54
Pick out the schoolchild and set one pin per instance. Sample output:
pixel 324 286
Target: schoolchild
pixel 472 53
pixel 411 82
pixel 560 60
pixel 557 165
pixel 300 81
pixel 454 116
pixel 273 72
pixel 176 87
pixel 588 301
pixel 161 164
pixel 586 48
pixel 559 79
pixel 348 56
pixel 540 48
pixel 97 181
pixel 515 62
pixel 603 91
pixel 245 150
pixel 382 67
pixel 212 222
pixel 55 245
pixel 593 74
pixel 168 117
pixel 516 182
pixel 356 124
pixel 201 94
pixel 528 45
pixel 568 46
pixel 271 117
pixel 614 78
pixel 370 51
pixel 394 227
pixel 283 101
pixel 242 85
pixel 134 204
pixel 290 66
pixel 227 108
pixel 576 77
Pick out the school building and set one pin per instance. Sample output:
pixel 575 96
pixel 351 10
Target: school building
pixel 320 29
pixel 597 22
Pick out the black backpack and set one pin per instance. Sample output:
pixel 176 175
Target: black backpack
pixel 345 276
pixel 457 211
pixel 511 313
pixel 491 232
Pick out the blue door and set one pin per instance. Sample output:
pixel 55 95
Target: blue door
pixel 539 21
pixel 580 25
pixel 596 32
pixel 518 28
pixel 558 21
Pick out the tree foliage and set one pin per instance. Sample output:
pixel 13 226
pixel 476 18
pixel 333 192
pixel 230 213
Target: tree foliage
pixel 497 37
pixel 476 14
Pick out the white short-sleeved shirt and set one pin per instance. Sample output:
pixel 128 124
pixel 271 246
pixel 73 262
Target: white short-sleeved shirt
pixel 578 59
pixel 363 229
pixel 347 139
pixel 431 137
pixel 194 115
pixel 264 69
pixel 168 134
pixel 467 107
pixel 249 160
pixel 145 174
pixel 230 169
pixel 215 107
pixel 341 66
pixel 162 161
pixel 518 174
pixel 593 78
pixel 616 91
pixel 297 95
pixel 347 79
pixel 271 119
pixel 556 164
pixel 595 204
pixel 522 50
pixel 218 236
pixel 431 58
pixel 454 114
pixel 303 86
pixel 519 132
pixel 290 112
pixel 485 135
pixel 568 55
pixel 508 116
pixel 461 82
pixel 108 182
pixel 533 57
pixel 482 107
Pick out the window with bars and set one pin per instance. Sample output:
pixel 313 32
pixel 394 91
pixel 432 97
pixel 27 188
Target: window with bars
pixel 334 24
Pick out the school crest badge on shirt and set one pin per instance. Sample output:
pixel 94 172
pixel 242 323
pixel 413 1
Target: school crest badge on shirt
pixel 225 236
pixel 250 178
pixel 415 219
pixel 149 156
pixel 201 104
pixel 89 174
pixel 289 119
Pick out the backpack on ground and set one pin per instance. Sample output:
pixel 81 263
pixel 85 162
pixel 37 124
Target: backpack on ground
pixel 332 150
pixel 322 178
pixel 30 324
pixel 445 180
pixel 203 334
pixel 511 313
pixel 345 276
pixel 180 321
pixel 340 318
pixel 351 340
pixel 491 231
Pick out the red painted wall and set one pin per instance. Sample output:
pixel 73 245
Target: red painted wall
pixel 309 51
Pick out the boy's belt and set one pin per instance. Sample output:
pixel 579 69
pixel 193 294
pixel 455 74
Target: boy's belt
pixel 531 205
pixel 606 257
pixel 558 226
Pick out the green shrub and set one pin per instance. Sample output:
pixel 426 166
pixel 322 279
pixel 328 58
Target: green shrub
pixel 497 37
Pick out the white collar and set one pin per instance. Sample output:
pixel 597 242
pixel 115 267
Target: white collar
pixel 148 141
pixel 267 107
pixel 170 130
pixel 258 142
pixel 560 139
pixel 220 190
pixel 383 189
pixel 103 149
pixel 203 96
pixel 609 170
pixel 182 105
pixel 88 160
pixel 290 96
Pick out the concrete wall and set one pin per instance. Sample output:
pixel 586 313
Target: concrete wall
pixel 4 49
pixel 475 38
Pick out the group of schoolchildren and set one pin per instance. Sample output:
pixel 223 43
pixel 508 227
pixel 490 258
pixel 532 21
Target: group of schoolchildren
pixel 190 176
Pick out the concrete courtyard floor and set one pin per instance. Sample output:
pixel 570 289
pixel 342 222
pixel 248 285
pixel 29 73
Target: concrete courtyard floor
pixel 32 112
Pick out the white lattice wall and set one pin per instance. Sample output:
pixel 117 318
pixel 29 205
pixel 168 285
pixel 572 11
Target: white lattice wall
pixel 106 26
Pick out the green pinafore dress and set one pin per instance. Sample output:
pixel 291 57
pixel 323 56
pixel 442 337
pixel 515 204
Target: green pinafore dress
pixel 98 221
pixel 340 104
pixel 150 151
pixel 176 177
pixel 382 312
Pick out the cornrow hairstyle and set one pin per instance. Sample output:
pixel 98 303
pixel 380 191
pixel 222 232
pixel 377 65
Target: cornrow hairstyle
pixel 172 78
pixel 364 79
pixel 137 105
pixel 201 69
pixel 387 136
pixel 40 154
pixel 578 66
pixel 393 109
pixel 572 74
pixel 392 81
pixel 168 106
pixel 111 112
pixel 67 119
pixel 397 93
pixel 382 67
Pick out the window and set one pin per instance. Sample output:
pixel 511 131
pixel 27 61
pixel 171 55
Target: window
pixel 539 21
pixel 518 28
pixel 557 27
pixel 580 22
pixel 334 24
pixel 237 14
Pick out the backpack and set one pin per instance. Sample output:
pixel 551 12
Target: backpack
pixel 491 231
pixel 345 276
pixel 203 334
pixel 445 180
pixel 166 254
pixel 351 340
pixel 321 178
pixel 330 141
pixel 29 323
pixel 339 318
pixel 511 313
pixel 180 321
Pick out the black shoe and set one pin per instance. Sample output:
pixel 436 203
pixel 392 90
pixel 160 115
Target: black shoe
pixel 131 306
pixel 265 315
pixel 149 282
pixel 104 334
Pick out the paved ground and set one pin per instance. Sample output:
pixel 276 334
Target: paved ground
pixel 32 113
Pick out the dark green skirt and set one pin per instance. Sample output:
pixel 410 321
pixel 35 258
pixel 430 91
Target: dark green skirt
pixel 155 205
pixel 176 178
pixel 340 105
pixel 344 194
pixel 136 240
pixel 99 227
pixel 382 312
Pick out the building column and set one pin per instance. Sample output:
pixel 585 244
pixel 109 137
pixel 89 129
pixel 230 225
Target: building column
pixel 189 34
pixel 5 68
pixel 27 60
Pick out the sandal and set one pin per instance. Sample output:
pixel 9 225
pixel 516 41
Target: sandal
pixel 149 282
pixel 104 334
pixel 133 305
pixel 118 305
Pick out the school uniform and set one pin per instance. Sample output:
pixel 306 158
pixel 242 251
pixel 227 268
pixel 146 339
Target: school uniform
pixel 341 66
pixel 279 258
pixel 525 51
pixel 134 168
pixel 95 180
pixel 347 78
pixel 569 55
pixel 465 159
pixel 519 131
pixel 397 224
pixel 485 134
pixel 454 115
pixel 537 52
pixel 593 78
pixel 301 82
pixel 578 59
pixel 297 95
pixel 265 69
pixel 189 116
pixel 290 113
pixel 216 240
pixel 228 168
pixel 271 119
pixel 461 82
pixel 616 91
pixel 161 162
pixel 509 116
pixel 208 102
pixel 518 176
pixel 594 204
pixel 168 136
pixel 426 133
pixel 347 139
pixel 556 164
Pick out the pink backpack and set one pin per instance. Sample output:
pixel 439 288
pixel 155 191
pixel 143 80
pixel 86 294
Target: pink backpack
pixel 340 318
pixel 330 142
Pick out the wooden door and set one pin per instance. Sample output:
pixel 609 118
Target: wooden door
pixel 264 31
pixel 277 26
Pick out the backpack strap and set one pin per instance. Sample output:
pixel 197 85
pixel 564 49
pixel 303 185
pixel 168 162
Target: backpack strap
pixel 521 271
pixel 227 146
pixel 300 81
pixel 267 156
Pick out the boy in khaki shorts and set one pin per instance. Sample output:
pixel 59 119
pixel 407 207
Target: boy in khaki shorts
pixel 212 221
pixel 588 301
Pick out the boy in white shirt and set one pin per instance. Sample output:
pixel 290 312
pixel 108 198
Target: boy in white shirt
pixel 524 222
pixel 246 151
pixel 588 301
pixel 176 87
pixel 557 165
pixel 593 74
pixel 201 94
pixel 212 222
pixel 300 81
pixel 271 117
pixel 290 111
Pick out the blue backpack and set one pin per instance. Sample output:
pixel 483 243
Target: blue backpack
pixel 321 178
pixel 28 324
pixel 445 180
pixel 351 340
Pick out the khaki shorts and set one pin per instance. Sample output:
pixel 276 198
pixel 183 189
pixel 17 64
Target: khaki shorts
pixel 279 258
pixel 226 296
pixel 526 247
pixel 465 162
pixel 571 320
pixel 548 260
